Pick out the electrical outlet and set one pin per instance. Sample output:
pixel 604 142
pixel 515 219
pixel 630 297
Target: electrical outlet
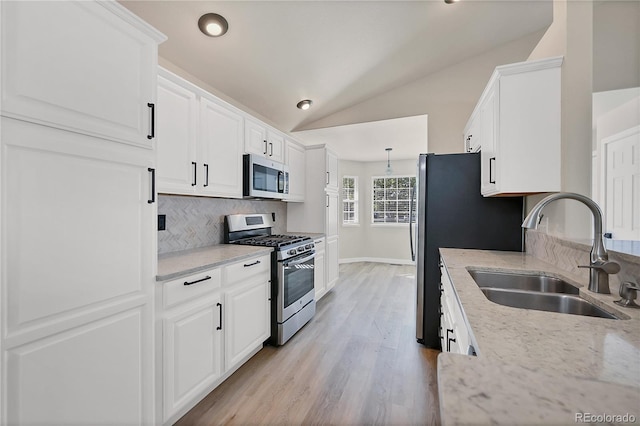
pixel 162 222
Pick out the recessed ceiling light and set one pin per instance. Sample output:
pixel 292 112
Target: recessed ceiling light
pixel 451 1
pixel 305 104
pixel 213 25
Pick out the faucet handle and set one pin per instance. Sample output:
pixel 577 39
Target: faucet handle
pixel 607 266
pixel 628 293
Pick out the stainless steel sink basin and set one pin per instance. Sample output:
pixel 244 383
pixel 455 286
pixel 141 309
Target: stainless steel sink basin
pixel 519 281
pixel 551 302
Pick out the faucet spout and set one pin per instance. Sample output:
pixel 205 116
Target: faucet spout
pixel 599 263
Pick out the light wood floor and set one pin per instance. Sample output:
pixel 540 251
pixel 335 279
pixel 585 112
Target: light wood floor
pixel 356 362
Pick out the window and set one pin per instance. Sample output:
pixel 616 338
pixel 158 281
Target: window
pixel 391 197
pixel 349 200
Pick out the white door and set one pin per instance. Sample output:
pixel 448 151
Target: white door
pixel 332 262
pixel 177 112
pixel 247 320
pixel 255 139
pixel 296 160
pixel 332 171
pixel 79 241
pixel 489 153
pixel 332 214
pixel 220 171
pixel 622 184
pixel 319 276
pixel 192 353
pixel 275 146
pixel 105 92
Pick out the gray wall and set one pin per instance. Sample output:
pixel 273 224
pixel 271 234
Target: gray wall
pixel 194 222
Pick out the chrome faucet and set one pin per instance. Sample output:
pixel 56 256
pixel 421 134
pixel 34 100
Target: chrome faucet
pixel 599 263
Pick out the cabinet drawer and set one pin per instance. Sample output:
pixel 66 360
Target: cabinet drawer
pixel 191 287
pixel 248 268
pixel 319 245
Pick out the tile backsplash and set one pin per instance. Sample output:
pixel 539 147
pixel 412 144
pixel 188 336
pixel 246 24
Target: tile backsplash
pixel 568 255
pixel 193 222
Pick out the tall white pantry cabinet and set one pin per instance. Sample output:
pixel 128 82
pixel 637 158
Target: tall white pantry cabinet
pixel 78 213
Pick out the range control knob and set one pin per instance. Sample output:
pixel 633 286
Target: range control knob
pixel 300 249
pixel 308 246
pixel 292 251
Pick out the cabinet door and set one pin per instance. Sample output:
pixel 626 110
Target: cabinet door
pixel 332 171
pixel 220 170
pixel 247 315
pixel 275 146
pixel 177 112
pixel 297 171
pixel 78 207
pixel 192 353
pixel 79 66
pixel 332 208
pixel 489 154
pixel 255 138
pixel 332 262
pixel 319 275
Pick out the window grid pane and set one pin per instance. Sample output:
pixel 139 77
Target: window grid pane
pixel 349 199
pixel 392 199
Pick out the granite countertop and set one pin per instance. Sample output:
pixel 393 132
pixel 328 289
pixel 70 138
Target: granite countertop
pixel 183 263
pixel 537 367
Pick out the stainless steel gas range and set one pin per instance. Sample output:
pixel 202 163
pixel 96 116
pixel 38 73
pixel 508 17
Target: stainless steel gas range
pixel 292 270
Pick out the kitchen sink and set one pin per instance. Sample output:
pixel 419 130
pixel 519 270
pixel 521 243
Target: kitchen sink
pixel 535 291
pixel 551 302
pixel 520 281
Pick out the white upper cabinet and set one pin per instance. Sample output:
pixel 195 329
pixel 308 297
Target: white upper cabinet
pixel 200 140
pixel 296 160
pixel 177 114
pixel 220 150
pixel 331 169
pixel 110 93
pixel 518 122
pixel 263 141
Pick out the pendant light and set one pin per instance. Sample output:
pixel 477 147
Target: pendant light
pixel 388 170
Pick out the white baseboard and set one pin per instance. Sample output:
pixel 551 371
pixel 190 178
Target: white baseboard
pixel 377 260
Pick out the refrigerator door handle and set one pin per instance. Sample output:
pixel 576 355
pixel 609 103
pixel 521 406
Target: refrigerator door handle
pixel 413 193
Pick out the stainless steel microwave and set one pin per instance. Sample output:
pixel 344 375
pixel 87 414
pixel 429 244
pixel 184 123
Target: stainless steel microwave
pixel 264 178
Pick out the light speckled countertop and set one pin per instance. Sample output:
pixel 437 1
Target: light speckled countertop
pixel 182 263
pixel 537 367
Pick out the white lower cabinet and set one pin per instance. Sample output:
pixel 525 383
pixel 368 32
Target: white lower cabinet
pixel 455 332
pixel 332 262
pixel 246 320
pixel 192 353
pixel 319 275
pixel 211 323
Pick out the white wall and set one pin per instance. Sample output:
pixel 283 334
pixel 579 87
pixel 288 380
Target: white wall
pixel 368 242
pixel 601 45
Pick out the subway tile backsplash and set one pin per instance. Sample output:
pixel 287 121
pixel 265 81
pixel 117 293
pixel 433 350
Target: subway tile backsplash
pixel 193 222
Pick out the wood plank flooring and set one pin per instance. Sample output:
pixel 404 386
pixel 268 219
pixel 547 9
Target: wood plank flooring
pixel 356 362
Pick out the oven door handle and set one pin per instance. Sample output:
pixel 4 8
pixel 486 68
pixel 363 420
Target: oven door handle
pixel 296 261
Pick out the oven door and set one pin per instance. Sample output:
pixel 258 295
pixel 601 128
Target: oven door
pixel 295 282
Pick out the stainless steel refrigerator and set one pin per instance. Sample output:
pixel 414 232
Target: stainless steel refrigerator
pixel 452 213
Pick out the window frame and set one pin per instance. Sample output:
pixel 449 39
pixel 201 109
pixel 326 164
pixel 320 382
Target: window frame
pixel 355 201
pixel 373 200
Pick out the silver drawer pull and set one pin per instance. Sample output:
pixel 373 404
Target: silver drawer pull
pixel 197 281
pixel 246 265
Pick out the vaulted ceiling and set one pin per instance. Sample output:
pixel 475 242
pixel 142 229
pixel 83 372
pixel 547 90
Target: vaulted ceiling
pixel 340 54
